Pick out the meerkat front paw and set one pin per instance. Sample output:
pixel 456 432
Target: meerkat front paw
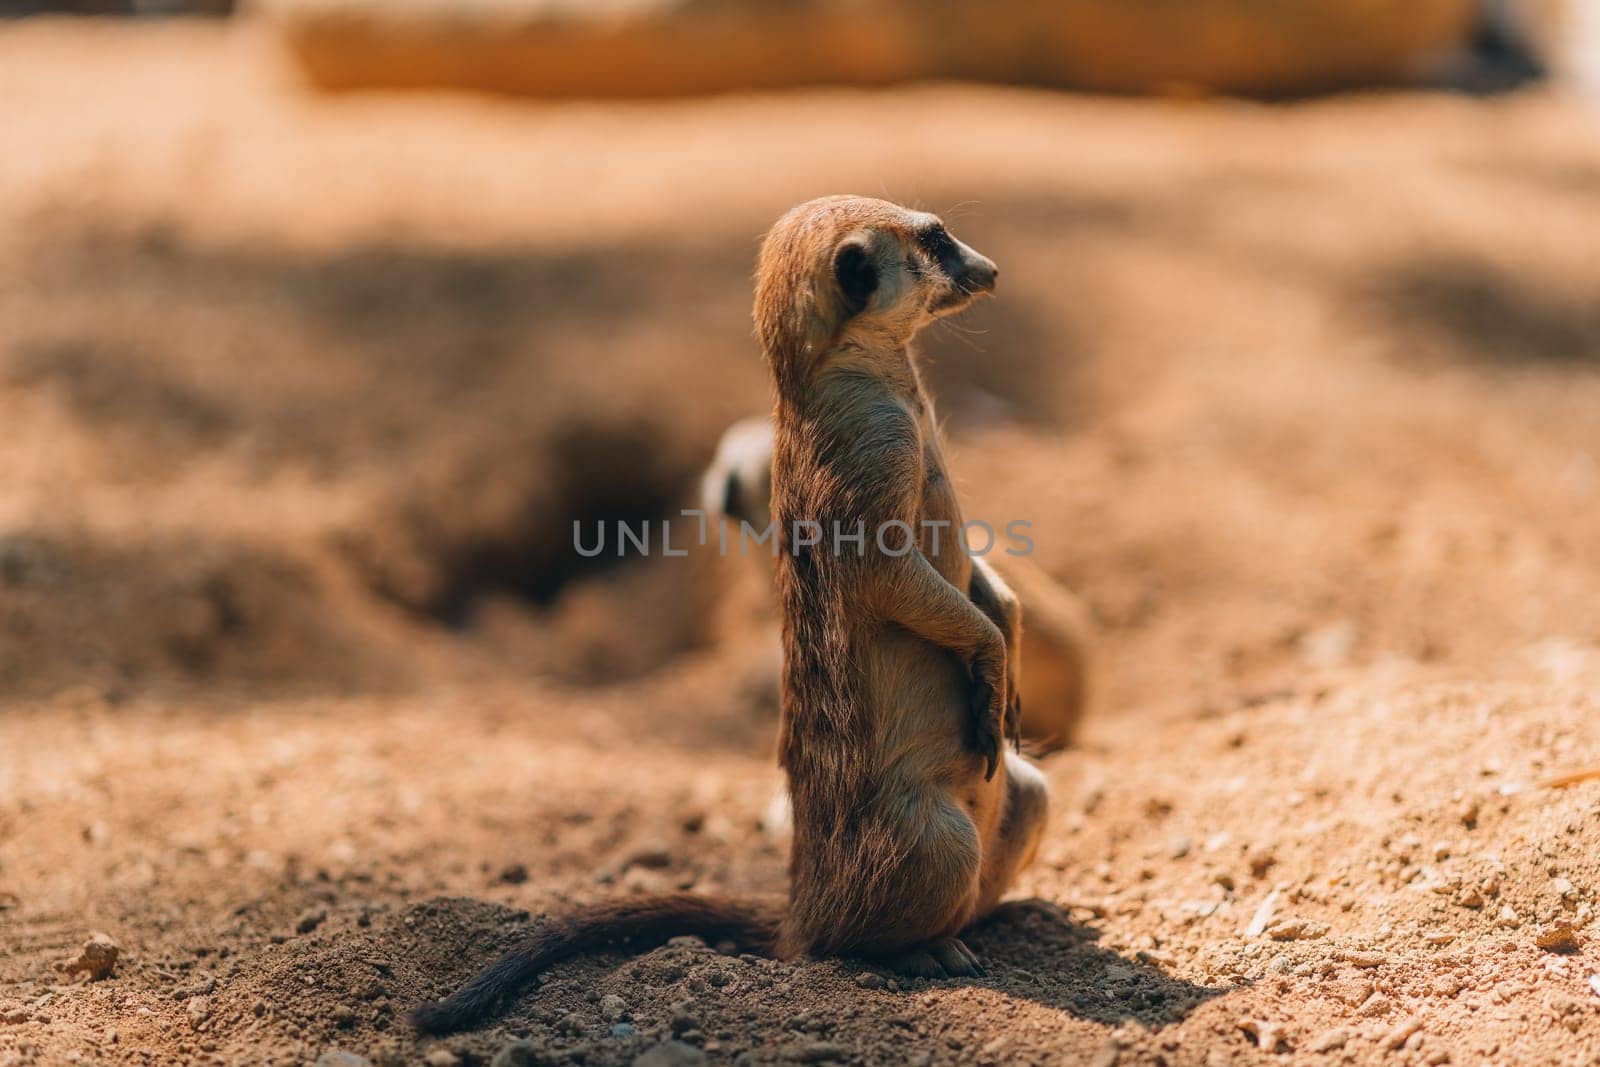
pixel 988 723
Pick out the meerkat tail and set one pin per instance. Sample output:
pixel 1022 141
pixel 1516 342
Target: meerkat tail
pixel 640 922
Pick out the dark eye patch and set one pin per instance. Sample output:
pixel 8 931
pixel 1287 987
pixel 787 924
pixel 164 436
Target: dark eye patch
pixel 937 242
pixel 941 248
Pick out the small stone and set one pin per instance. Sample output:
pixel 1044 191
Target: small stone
pixel 340 1058
pixel 1107 1055
pixel 97 958
pixel 621 1030
pixel 822 1052
pixel 514 874
pixel 1559 937
pixel 344 1016
pixel 1508 917
pixel 198 1009
pixel 1594 984
pixel 441 1057
pixel 1260 861
pixel 1397 1038
pixel 670 1054
pixel 683 1021
pixel 1268 1037
pixel 651 857
pixel 1179 848
pixel 1363 959
pixel 688 941
pixel 1331 1041
pixel 309 920
pixel 870 980
pixel 1296 930
pixel 613 1007
pixel 1377 1004
pixel 521 1053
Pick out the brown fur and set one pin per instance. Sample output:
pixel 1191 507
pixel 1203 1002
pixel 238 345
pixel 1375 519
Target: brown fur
pixel 895 690
pixel 910 819
pixel 1054 642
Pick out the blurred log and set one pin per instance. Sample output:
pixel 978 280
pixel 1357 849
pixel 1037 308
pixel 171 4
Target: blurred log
pixel 631 48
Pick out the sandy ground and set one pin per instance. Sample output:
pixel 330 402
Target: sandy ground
pixel 304 703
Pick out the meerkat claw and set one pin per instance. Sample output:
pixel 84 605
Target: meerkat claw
pixel 1014 721
pixel 987 739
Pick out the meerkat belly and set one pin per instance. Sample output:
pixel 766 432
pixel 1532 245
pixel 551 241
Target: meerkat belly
pixel 920 692
pixel 940 527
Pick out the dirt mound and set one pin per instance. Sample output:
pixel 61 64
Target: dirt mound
pixel 190 612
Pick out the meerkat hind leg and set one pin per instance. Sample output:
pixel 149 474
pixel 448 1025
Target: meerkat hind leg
pixel 944 957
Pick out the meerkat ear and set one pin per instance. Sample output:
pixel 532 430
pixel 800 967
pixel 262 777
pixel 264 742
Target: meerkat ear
pixel 855 272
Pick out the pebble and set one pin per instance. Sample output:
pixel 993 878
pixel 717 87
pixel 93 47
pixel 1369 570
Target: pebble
pixel 1269 1037
pixel 97 958
pixel 689 941
pixel 822 1052
pixel 1296 930
pixel 521 1053
pixel 340 1058
pixel 1396 1038
pixel 1363 959
pixel 670 1054
pixel 199 1009
pixel 1559 937
pixel 1377 1004
pixel 442 1057
pixel 1594 984
pixel 515 874
pixel 1260 860
pixel 344 1016
pixel 620 1030
pixel 870 980
pixel 613 1007
pixel 309 920
pixel 1331 1041
pixel 651 857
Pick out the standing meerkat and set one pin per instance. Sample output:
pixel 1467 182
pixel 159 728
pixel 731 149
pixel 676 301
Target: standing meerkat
pixel 1055 638
pixel 896 692
pixel 910 816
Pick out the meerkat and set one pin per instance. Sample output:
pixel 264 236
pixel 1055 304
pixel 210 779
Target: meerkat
pixel 911 816
pixel 1055 630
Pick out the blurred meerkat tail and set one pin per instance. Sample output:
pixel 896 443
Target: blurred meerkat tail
pixel 640 921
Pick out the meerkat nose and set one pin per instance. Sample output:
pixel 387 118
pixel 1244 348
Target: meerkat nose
pixel 980 277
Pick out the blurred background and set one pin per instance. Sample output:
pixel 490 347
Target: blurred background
pixel 321 321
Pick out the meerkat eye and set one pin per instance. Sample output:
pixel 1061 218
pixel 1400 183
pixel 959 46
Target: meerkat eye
pixel 856 274
pixel 938 243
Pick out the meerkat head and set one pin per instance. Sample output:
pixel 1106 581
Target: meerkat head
pixel 850 265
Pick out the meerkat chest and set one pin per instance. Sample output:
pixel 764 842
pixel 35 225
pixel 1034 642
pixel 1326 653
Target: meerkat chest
pixel 941 515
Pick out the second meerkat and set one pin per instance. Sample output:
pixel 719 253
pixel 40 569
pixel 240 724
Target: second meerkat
pixel 910 817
